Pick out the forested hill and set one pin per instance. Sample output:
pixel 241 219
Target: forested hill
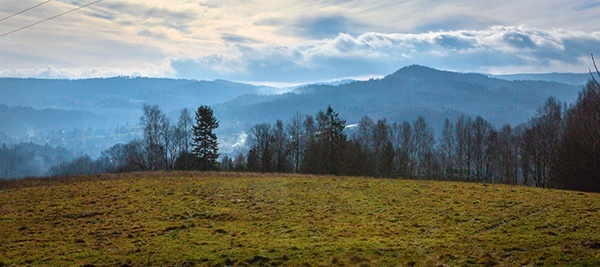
pixel 46 111
pixel 17 120
pixel 122 93
pixel 578 79
pixel 40 106
pixel 108 109
pixel 406 94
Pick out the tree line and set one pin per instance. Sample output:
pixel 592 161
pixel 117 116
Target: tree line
pixel 187 145
pixel 558 147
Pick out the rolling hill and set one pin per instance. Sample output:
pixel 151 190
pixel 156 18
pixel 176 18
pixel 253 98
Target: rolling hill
pixel 117 97
pixel 578 79
pixel 105 105
pixel 235 219
pixel 406 94
pixel 48 111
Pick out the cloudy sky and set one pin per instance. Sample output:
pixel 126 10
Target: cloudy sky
pixel 290 41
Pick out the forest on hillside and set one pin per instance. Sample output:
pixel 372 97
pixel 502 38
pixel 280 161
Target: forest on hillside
pixel 559 147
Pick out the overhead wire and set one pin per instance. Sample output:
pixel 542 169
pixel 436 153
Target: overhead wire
pixel 21 12
pixel 50 18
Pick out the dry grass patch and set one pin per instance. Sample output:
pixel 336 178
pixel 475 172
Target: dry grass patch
pixel 216 219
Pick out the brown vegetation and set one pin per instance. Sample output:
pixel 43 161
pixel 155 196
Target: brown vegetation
pixel 217 219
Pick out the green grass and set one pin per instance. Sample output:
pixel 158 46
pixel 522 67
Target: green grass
pixel 216 219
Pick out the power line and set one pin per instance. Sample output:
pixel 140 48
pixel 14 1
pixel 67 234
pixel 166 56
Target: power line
pixel 50 18
pixel 21 12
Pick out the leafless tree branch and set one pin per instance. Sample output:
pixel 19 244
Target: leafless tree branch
pixel 594 78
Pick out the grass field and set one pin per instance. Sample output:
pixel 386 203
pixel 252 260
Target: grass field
pixel 217 219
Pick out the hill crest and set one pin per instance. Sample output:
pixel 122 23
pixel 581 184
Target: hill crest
pixel 187 219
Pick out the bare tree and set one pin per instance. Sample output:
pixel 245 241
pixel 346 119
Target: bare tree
pixel 592 91
pixel 297 140
pixel 492 157
pixel 280 147
pixel 516 141
pixel 184 131
pixel 168 140
pixel 116 158
pixel 542 140
pixel 506 156
pixel 464 137
pixel 153 123
pixel 382 149
pixel 310 155
pixel 135 155
pixel 406 155
pixel 364 143
pixel 481 130
pixel 364 133
pixel 261 140
pixel 447 148
pixel 309 127
pixel 182 135
pixel 424 143
pixel 576 164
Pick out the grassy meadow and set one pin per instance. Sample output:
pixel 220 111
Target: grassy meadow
pixel 218 219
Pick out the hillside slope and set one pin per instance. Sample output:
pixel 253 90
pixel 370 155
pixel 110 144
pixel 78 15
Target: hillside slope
pixel 406 94
pixel 106 104
pixel 187 219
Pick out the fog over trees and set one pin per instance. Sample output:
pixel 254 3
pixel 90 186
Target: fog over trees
pixel 164 146
pixel 557 147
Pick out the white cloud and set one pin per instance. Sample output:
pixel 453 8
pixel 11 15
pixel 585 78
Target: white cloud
pixel 291 40
pixel 52 72
pixel 498 49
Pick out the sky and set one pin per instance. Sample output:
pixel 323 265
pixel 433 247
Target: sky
pixel 294 41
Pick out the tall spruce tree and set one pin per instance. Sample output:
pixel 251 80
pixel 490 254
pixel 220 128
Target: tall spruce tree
pixel 205 143
pixel 332 140
pixel 325 152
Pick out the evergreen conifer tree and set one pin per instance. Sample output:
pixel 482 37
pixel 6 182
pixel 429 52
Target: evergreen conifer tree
pixel 205 143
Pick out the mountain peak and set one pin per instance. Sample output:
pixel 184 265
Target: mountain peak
pixel 428 73
pixel 420 71
pixel 417 67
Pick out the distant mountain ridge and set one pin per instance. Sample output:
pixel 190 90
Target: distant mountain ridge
pixel 410 92
pixel 125 92
pixel 40 110
pixel 18 120
pixel 567 78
